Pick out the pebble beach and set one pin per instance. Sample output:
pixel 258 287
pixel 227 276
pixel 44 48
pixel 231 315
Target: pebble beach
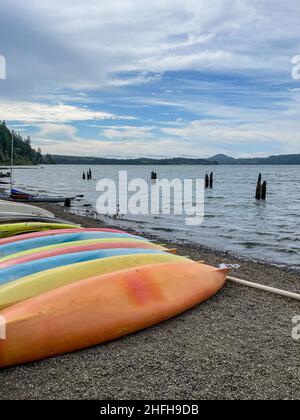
pixel 238 345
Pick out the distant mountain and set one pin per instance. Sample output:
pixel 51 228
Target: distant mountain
pixel 271 160
pixel 222 159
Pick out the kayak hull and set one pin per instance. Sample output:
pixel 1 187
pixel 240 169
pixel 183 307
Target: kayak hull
pixel 7 230
pixel 18 271
pixel 40 255
pixel 24 199
pixel 8 207
pixel 54 232
pixel 103 308
pixel 20 246
pixel 45 281
pixel 23 218
pixel 57 247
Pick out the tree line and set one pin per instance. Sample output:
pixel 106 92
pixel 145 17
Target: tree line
pixel 24 153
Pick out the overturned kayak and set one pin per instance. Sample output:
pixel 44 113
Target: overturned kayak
pixel 54 232
pixel 105 243
pixel 45 281
pixel 7 230
pixel 42 253
pixel 7 207
pixel 21 270
pixel 22 196
pixel 52 200
pixel 103 308
pixel 6 218
pixel 79 235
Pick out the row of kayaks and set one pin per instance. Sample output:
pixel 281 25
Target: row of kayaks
pixel 64 288
pixel 17 218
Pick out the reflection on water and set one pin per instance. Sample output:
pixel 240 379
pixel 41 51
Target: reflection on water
pixel 234 220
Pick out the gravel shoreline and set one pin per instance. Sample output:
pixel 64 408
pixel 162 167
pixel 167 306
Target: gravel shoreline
pixel 238 345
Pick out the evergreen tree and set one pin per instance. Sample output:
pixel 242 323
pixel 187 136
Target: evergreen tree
pixel 24 154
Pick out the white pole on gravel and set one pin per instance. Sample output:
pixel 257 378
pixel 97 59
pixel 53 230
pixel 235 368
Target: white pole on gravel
pixel 12 162
pixel 278 292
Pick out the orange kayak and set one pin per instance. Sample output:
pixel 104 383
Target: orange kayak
pixel 104 308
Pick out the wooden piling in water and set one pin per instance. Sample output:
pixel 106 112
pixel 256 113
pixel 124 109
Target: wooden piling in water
pixel 261 189
pixel 211 180
pixel 206 181
pixel 258 188
pixel 264 191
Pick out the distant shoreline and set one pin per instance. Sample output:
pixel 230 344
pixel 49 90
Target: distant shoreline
pixel 217 160
pixel 213 161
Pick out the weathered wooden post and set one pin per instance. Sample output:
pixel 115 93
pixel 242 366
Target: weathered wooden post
pixel 211 180
pixel 67 202
pixel 264 191
pixel 258 188
pixel 206 181
pixel 153 176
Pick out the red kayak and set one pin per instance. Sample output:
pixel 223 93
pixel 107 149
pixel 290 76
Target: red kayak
pixel 34 235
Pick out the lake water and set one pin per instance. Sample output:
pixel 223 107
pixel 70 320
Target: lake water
pixel 234 220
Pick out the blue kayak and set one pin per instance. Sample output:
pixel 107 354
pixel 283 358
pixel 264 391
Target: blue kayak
pixel 27 244
pixel 22 270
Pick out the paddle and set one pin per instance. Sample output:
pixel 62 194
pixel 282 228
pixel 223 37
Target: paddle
pixel 264 288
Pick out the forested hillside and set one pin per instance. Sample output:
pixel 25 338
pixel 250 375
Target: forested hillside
pixel 24 154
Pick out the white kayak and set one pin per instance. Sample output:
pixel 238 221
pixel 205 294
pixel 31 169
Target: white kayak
pixel 19 208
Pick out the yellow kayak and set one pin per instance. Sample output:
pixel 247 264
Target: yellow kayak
pixel 13 229
pixel 45 281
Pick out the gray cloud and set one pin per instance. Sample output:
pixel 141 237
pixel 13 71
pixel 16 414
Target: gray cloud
pixel 60 51
pixel 50 45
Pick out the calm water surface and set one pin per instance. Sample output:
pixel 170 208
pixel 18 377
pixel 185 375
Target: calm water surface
pixel 234 220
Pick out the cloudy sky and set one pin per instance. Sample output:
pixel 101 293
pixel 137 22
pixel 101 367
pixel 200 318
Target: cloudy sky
pixel 132 78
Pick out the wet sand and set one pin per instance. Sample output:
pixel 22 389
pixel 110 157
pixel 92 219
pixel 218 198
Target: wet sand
pixel 238 345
